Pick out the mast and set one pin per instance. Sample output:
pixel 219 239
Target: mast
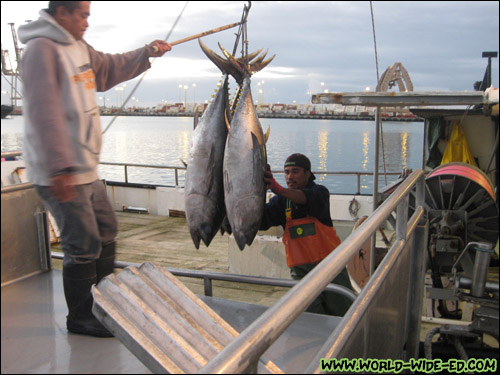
pixel 12 70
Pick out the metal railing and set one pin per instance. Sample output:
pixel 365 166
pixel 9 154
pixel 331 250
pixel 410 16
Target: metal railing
pixel 209 276
pixel 243 353
pixel 176 170
pixel 127 165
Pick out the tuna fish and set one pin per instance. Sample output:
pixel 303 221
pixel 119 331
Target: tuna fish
pixel 204 191
pixel 245 158
pixel 245 161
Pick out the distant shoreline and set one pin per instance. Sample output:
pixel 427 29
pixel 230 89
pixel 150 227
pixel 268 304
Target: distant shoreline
pixel 274 115
pixel 285 116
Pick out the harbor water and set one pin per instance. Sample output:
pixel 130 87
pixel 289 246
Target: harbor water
pixel 332 145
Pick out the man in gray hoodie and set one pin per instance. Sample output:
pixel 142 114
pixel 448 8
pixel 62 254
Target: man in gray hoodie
pixel 61 74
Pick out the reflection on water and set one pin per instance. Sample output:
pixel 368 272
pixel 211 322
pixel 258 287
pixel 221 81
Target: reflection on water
pixel 366 154
pixel 404 149
pixel 332 145
pixel 323 154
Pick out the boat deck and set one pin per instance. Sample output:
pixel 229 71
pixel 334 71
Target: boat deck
pixel 35 340
pixel 166 242
pixel 34 336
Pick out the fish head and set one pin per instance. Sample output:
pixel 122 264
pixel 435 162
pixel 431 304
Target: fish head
pixel 203 217
pixel 246 222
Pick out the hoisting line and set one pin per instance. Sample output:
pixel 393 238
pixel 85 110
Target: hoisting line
pixel 187 39
pixel 144 74
pixel 378 79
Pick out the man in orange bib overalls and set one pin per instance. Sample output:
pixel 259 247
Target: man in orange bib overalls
pixel 303 210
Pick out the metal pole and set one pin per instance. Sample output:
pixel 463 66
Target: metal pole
pixel 375 186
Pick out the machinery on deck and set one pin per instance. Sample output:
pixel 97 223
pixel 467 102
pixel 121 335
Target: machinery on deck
pixel 463 230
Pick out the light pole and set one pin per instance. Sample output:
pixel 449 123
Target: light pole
pixel 322 88
pixel 118 96
pixel 123 94
pixel 185 98
pixel 262 82
pixel 194 94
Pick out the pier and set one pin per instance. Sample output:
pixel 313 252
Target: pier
pixel 282 115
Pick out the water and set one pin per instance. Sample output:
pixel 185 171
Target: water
pixel 332 145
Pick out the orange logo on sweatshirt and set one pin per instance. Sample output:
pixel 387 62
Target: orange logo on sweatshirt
pixel 87 78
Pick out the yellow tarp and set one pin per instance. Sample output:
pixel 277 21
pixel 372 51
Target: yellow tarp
pixel 457 149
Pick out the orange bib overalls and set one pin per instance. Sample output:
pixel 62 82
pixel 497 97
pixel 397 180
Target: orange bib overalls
pixel 307 240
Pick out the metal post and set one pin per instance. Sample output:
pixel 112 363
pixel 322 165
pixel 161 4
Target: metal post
pixel 208 286
pixel 375 186
pixel 418 263
pixel 480 271
pixel 402 219
pixel 43 240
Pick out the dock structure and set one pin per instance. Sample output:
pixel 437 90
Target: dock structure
pixel 283 115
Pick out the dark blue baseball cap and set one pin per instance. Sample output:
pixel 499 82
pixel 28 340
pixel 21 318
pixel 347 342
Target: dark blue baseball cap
pixel 300 160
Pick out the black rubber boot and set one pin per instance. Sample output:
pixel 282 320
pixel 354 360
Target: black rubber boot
pixel 78 280
pixel 106 262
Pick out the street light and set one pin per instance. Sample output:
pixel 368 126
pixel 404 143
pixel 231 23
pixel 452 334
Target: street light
pixel 123 94
pixel 194 94
pixel 322 87
pixel 185 98
pixel 118 96
pixel 262 92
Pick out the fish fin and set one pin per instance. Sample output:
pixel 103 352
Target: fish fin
pixel 225 66
pixel 240 69
pixel 260 58
pixel 220 62
pixel 236 99
pixel 228 186
pixel 266 136
pixel 254 68
pixel 251 56
pixel 228 124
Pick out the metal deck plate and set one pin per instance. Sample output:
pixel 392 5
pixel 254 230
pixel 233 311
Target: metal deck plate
pixel 172 330
pixel 35 339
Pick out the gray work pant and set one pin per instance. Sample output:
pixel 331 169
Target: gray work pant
pixel 87 222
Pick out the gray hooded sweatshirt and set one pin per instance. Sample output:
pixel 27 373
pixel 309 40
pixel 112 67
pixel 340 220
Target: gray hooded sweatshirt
pixel 60 79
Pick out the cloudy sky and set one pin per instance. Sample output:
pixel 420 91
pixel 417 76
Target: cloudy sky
pixel 439 43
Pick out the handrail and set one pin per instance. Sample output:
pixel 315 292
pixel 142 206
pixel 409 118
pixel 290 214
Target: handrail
pixel 11 154
pixel 344 329
pixel 177 169
pixel 317 173
pixel 245 279
pixel 248 347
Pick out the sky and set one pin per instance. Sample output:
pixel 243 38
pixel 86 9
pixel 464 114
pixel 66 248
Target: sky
pixel 439 43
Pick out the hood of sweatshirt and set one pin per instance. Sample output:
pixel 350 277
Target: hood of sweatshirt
pixel 45 27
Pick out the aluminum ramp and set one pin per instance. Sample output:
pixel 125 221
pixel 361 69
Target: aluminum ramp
pixel 161 321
